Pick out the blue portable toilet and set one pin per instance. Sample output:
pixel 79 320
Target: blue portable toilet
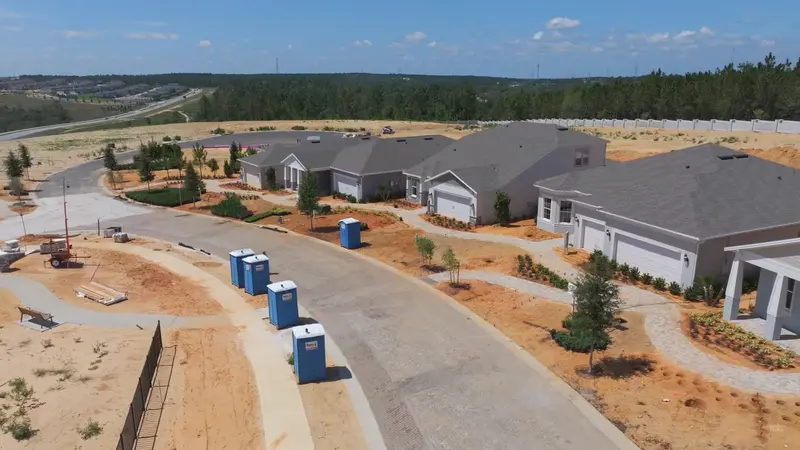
pixel 350 233
pixel 237 266
pixel 308 343
pixel 256 274
pixel 283 310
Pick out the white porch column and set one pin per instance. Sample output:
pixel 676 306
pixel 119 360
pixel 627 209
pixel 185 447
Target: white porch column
pixel 285 177
pixel 775 310
pixel 733 292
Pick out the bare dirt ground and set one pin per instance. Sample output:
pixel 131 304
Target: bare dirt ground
pixel 151 288
pixel 658 405
pixel 523 229
pixel 72 383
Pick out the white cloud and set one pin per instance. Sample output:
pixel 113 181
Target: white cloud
pixel 706 31
pixel 432 44
pixel 152 36
pixel 649 38
pixel 70 34
pixel 416 36
pixel 204 43
pixel 11 28
pixel 766 43
pixel 364 43
pixel 557 23
pixel 597 49
pixel 538 36
pixel 685 34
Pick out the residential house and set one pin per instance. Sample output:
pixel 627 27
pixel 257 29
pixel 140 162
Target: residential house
pixel 672 215
pixel 462 180
pixel 778 263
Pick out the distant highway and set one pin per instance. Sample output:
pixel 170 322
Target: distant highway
pixel 19 134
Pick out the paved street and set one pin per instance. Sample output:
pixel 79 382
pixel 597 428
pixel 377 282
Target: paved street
pixel 434 378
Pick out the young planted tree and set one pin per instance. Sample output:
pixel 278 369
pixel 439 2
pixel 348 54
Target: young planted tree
pixel 597 305
pixel 192 183
pixel 25 159
pixel 13 166
pixel 452 264
pixel 110 163
pixel 199 156
pixel 272 183
pixel 145 168
pixel 425 247
pixel 501 208
pixel 213 166
pixel 227 169
pixel 15 187
pixel 234 152
pixel 308 196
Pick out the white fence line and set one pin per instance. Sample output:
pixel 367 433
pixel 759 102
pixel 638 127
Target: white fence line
pixel 762 126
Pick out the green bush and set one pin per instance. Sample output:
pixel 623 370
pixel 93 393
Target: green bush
pixel 166 139
pixel 364 226
pixel 596 254
pixel 634 274
pixel 162 197
pixel 520 264
pixel 177 137
pixel 268 213
pixel 675 288
pixel 324 209
pixel 576 341
pixel 625 270
pixel 20 429
pixel 231 206
pixel 660 284
pixel 613 265
pixel 298 128
pixel 693 292
pixel 647 278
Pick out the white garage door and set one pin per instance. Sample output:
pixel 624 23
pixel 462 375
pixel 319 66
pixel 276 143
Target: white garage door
pixel 593 235
pixel 451 205
pixel 346 185
pixel 649 258
pixel 253 179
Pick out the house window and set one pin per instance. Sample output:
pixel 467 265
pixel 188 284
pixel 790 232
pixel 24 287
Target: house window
pixel 414 188
pixel 565 212
pixel 789 294
pixel 546 210
pixel 582 157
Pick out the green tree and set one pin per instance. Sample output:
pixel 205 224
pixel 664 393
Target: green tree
pixel 234 152
pixel 227 169
pixel 452 264
pixel 502 210
pixel 145 168
pixel 25 159
pixel 192 183
pixel 110 163
pixel 213 166
pixel 426 247
pixel 597 305
pixel 13 165
pixel 199 156
pixel 308 196
pixel 15 187
pixel 272 184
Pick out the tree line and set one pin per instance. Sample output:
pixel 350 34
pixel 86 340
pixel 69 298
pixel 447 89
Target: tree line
pixel 766 90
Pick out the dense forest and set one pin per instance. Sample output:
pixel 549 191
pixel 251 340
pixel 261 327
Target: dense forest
pixel 764 90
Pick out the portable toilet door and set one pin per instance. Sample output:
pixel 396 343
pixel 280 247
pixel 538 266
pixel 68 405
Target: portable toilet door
pixel 308 344
pixel 256 274
pixel 350 233
pixel 282 304
pixel 237 266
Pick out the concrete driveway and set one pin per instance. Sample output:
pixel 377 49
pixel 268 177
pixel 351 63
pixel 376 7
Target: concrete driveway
pixel 435 378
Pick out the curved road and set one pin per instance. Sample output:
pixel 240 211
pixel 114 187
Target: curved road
pixel 19 134
pixel 434 378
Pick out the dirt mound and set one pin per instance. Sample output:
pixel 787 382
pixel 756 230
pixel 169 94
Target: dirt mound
pixel 788 156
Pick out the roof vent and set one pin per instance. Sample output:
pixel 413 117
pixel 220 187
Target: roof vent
pixel 726 157
pixel 428 138
pixel 687 167
pixel 780 177
pixel 400 140
pixel 741 156
pixel 313 139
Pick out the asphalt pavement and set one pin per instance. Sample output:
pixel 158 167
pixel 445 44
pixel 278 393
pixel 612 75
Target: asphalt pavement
pixel 434 377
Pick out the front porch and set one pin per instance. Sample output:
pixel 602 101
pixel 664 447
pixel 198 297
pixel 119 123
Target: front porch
pixel 775 315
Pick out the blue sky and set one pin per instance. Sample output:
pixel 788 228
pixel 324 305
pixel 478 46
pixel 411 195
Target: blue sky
pixel 566 39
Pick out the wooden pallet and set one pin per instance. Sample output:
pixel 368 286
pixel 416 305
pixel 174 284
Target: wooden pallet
pixel 101 293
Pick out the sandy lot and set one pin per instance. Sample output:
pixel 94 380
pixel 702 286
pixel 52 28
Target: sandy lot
pixel 658 405
pixel 72 383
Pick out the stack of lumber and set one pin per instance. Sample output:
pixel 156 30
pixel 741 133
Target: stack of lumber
pixel 101 293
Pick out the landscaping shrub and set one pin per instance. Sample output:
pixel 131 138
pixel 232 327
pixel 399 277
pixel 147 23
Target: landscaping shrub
pixel 231 206
pixel 576 341
pixel 169 197
pixel 166 139
pixel 177 137
pixel 675 288
pixel 364 226
pixel 625 270
pixel 596 254
pixel 660 284
pixel 324 209
pixel 448 222
pixel 634 275
pixel 613 265
pixel 219 131
pixel 647 278
pixel 298 128
pixel 265 214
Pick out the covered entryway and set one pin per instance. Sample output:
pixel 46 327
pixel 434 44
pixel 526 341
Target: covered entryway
pixel 345 184
pixel 648 258
pixel 593 235
pixel 451 205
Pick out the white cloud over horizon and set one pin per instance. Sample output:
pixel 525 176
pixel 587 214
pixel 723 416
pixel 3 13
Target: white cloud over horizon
pixel 560 23
pixel 204 43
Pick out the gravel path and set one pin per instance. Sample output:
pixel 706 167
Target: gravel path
pixel 662 323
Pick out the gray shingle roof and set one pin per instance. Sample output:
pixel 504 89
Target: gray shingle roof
pixel 492 158
pixel 376 155
pixel 313 155
pixel 692 191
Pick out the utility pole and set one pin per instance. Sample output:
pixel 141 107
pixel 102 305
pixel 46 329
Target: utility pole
pixel 66 224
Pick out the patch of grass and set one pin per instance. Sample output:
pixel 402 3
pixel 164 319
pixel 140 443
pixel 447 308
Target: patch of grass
pixel 84 378
pixel 91 430
pixel 290 359
pixel 265 214
pixel 99 349
pixel 169 197
pixel 25 343
pixel 20 429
